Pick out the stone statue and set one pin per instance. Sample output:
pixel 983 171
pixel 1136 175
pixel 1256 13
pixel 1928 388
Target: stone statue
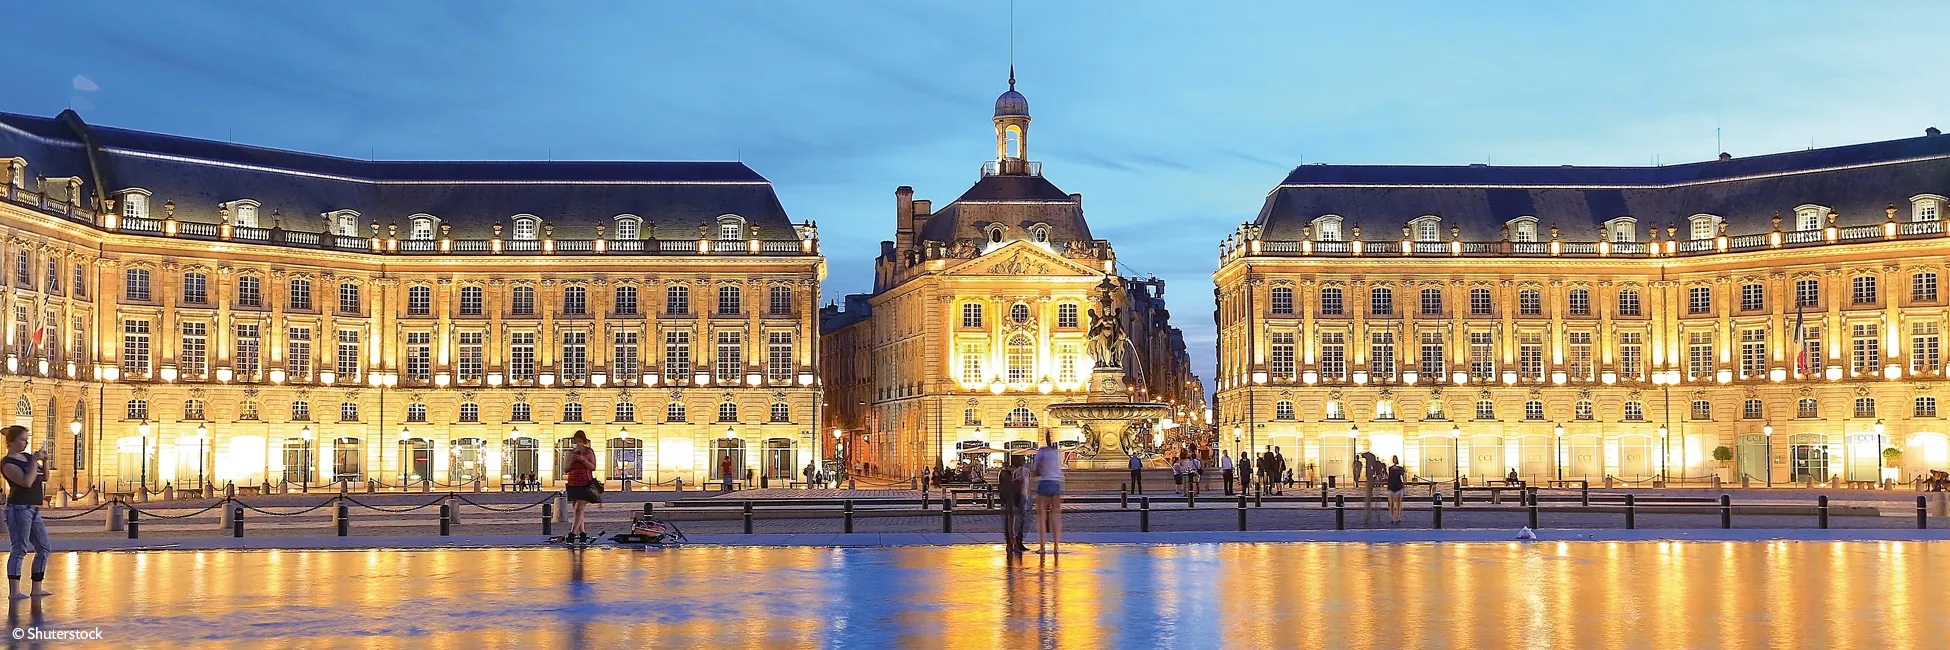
pixel 964 249
pixel 1107 338
pixel 1078 249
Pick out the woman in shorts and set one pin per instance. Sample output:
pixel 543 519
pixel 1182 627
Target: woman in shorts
pixel 1397 486
pixel 1047 470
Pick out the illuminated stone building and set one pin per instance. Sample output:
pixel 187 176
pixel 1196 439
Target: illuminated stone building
pixel 208 310
pixel 978 315
pixel 1597 321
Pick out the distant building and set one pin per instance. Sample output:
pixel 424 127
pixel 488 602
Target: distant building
pixel 1597 321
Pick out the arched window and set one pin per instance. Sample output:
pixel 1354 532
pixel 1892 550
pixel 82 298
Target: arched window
pixel 1702 410
pixel 301 411
pixel 728 412
pixel 247 410
pixel 1283 410
pixel 1427 229
pixel 1384 409
pixel 1533 410
pixel 1807 407
pixel 521 412
pixel 731 227
pixel 730 300
pixel 1583 410
pixel 625 412
pixel 1523 230
pixel 1327 228
pixel 971 314
pixel 527 228
pixel 1808 217
pixel 781 412
pixel 677 300
pixel 1485 410
pixel 1925 407
pixel 138 409
pixel 419 300
pixel 1622 230
pixel 628 228
pixel 470 412
pixel 971 418
pixel 1336 410
pixel 1021 360
pixel 1039 234
pixel 192 410
pixel 1634 412
pixel 674 412
pixel 995 234
pixel 348 411
pixel 345 223
pixel 1435 411
pixel 422 228
pixel 1283 301
pixel 243 212
pixel 416 412
pixel 1019 417
pixel 1702 226
pixel 572 412
pixel 1865 407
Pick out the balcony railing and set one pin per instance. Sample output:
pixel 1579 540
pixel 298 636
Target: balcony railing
pixel 1240 246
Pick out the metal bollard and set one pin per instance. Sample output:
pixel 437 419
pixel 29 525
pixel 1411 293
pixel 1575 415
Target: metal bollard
pixel 1726 511
pixel 134 524
pixel 237 522
pixel 1144 515
pixel 224 514
pixel 1821 512
pixel 948 515
pixel 1631 511
pixel 344 519
pixel 1437 510
pixel 649 509
pixel 446 520
pixel 1533 508
pixel 748 517
pixel 849 515
pixel 548 518
pixel 924 499
pixel 1323 492
pixel 1242 513
pixel 1259 500
pixel 1340 512
pixel 1584 495
pixel 1459 491
pixel 1124 500
pixel 1191 498
pixel 1922 512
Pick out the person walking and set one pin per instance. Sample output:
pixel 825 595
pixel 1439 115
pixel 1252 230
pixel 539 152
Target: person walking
pixel 580 469
pixel 1225 470
pixel 26 480
pixel 1265 470
pixel 1192 471
pixel 1012 497
pixel 1397 487
pixel 810 475
pixel 1279 468
pixel 1048 471
pixel 1245 473
pixel 1137 475
pixel 1020 476
pixel 1372 475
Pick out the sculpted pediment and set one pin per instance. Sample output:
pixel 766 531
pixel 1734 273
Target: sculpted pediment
pixel 1022 259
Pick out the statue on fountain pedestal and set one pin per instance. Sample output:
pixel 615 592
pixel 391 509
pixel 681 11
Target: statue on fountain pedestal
pixel 1107 338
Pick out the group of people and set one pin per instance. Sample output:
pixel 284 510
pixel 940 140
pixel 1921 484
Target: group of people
pixel 1392 476
pixel 1271 469
pixel 1186 473
pixel 1033 489
pixel 1938 481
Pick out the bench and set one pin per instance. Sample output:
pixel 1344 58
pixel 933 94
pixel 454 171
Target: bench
pixel 1496 491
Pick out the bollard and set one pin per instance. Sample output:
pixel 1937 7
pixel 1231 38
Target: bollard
pixel 344 519
pixel 1191 499
pixel 169 491
pixel 477 485
pixel 1821 512
pixel 117 517
pixel 426 486
pixel 1437 509
pixel 1459 491
pixel 1323 492
pixel 948 514
pixel 548 518
pixel 134 518
pixel 748 517
pixel 1340 512
pixel 237 521
pixel 453 514
pixel 1533 508
pixel 1631 512
pixel 94 496
pixel 446 520
pixel 1584 495
pixel 1144 514
pixel 224 515
pixel 849 515
pixel 1259 500
pixel 1124 500
pixel 1922 512
pixel 372 485
pixel 925 498
pixel 1242 513
pixel 1726 511
pixel 649 510
pixel 561 507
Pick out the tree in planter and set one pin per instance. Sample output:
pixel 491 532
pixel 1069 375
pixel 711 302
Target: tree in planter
pixel 1892 457
pixel 1724 454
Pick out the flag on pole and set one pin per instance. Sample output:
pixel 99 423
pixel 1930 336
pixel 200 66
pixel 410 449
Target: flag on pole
pixel 1800 343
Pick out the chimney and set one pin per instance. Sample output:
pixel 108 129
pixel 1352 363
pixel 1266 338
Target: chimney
pixel 923 208
pixel 1931 132
pixel 903 216
pixel 1077 199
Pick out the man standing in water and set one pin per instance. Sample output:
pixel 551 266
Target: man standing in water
pixel 26 477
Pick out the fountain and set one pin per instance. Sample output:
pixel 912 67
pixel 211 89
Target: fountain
pixel 1114 425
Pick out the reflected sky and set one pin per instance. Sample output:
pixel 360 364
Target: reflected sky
pixel 1452 595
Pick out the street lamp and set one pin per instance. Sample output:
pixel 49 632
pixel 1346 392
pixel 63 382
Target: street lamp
pixel 304 474
pixel 74 430
pixel 1767 437
pixel 202 434
pixel 1665 451
pixel 1353 434
pixel 142 429
pixel 1455 451
pixel 1557 458
pixel 404 460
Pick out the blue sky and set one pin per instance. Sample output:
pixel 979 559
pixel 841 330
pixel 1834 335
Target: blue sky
pixel 1173 119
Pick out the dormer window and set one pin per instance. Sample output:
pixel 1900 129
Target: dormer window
pixel 1702 226
pixel 243 213
pixel 422 228
pixel 1427 229
pixel 628 228
pixel 731 227
pixel 1622 230
pixel 1039 234
pixel 1523 230
pixel 995 234
pixel 526 227
pixel 1927 207
pixel 1808 217
pixel 345 223
pixel 1327 228
pixel 135 204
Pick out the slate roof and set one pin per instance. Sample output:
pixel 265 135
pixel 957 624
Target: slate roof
pixel 1857 181
pixel 470 196
pixel 1018 200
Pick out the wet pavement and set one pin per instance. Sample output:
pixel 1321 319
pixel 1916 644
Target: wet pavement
pixel 1732 594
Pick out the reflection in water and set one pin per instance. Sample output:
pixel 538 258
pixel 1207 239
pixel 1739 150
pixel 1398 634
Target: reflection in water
pixel 1482 595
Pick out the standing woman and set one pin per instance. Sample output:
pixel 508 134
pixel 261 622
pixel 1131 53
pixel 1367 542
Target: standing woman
pixel 1047 468
pixel 582 491
pixel 1397 486
pixel 25 478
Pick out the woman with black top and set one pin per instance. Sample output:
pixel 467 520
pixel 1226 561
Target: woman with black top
pixel 1397 486
pixel 579 470
pixel 25 478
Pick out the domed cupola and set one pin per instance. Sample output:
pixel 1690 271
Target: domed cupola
pixel 1011 103
pixel 1012 130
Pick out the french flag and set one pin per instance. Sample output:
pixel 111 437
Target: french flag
pixel 1801 343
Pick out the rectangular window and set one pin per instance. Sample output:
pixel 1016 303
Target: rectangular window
pixel 779 363
pixel 730 357
pixel 297 353
pixel 1865 352
pixel 245 359
pixel 521 301
pixel 1333 356
pixel 78 345
pixel 1434 364
pixel 677 300
pixel 1699 300
pixel 1925 355
pixel 80 281
pixel 1283 356
pixel 470 361
pixel 1922 287
pixel 1580 367
pixel 1530 356
pixel 1482 356
pixel 1812 342
pixel 1479 302
pixel 419 301
pixel 470 301
pixel 780 301
pixel 135 286
pixel 23 270
pixel 677 356
pixel 300 295
pixel 1753 353
pixel 1862 290
pixel 1431 302
pixel 625 301
pixel 1628 303
pixel 1530 302
pixel 575 301
pixel 971 314
pixel 1381 301
pixel 1330 302
pixel 575 356
pixel 250 292
pixel 1753 297
pixel 521 357
pixel 196 289
pixel 348 356
pixel 349 298
pixel 135 349
pixel 730 300
pixel 1631 356
pixel 1807 293
pixel 1282 300
pixel 1066 363
pixel 419 356
pixel 53 275
pixel 624 367
pixel 1066 315
pixel 194 360
pixel 1381 355
pixel 1699 356
pixel 1580 302
pixel 971 363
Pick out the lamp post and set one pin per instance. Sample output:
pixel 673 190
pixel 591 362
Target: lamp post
pixel 1455 451
pixel 304 450
pixel 74 432
pixel 1353 435
pixel 1767 439
pixel 839 458
pixel 1881 442
pixel 202 434
pixel 1664 451
pixel 1557 456
pixel 405 458
pixel 142 429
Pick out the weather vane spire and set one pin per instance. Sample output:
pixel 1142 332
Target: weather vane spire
pixel 1012 44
